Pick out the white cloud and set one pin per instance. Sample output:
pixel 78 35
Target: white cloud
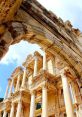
pixel 66 9
pixel 18 52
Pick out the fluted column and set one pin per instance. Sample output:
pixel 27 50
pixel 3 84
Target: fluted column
pixel 18 83
pixel 11 86
pixel 67 97
pixel 12 110
pixel 19 109
pixel 32 105
pixel 6 93
pixel 35 66
pixel 24 79
pixel 44 102
pixel 44 62
pixel 4 113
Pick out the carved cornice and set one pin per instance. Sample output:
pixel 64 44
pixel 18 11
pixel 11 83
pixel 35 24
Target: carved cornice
pixel 44 78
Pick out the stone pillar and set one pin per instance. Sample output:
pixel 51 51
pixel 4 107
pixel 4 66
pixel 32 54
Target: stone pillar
pixel 12 110
pixel 24 79
pixel 8 114
pixel 18 83
pixel 67 97
pixel 19 109
pixel 50 65
pixel 0 114
pixel 44 102
pixel 53 65
pixel 35 66
pixel 44 62
pixel 73 94
pixel 11 86
pixel 32 105
pixel 79 111
pixel 57 110
pixel 6 93
pixel 4 113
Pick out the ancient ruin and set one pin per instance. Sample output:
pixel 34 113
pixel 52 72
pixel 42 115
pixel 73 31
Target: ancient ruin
pixel 48 85
pixel 45 86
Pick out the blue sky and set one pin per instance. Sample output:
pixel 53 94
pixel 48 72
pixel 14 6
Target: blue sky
pixel 66 9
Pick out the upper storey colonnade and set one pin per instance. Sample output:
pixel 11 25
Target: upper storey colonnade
pixel 32 66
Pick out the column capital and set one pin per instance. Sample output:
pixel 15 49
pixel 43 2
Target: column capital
pixel 63 71
pixel 9 80
pixel 20 100
pixel 35 57
pixel 44 86
pixel 12 79
pixel 24 69
pixel 36 54
pixel 12 103
pixel 33 92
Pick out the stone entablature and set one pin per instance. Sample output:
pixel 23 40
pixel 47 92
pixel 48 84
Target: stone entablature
pixel 44 77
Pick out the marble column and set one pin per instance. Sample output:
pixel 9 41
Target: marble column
pixel 7 89
pixel 11 86
pixel 18 83
pixel 24 79
pixel 73 94
pixel 35 66
pixel 4 113
pixel 19 109
pixel 32 105
pixel 12 109
pixel 67 97
pixel 44 102
pixel 44 62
